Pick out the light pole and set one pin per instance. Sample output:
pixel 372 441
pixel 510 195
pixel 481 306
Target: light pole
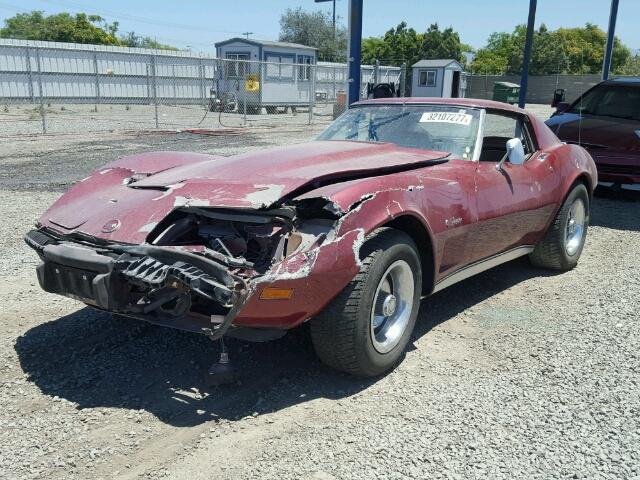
pixel 528 44
pixel 611 31
pixel 334 14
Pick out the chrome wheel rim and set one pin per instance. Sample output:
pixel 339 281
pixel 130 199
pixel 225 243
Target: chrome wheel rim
pixel 392 305
pixel 575 227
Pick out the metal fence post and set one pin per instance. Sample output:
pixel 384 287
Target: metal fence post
pixel 30 73
pixel 335 91
pixel 403 80
pixel 41 94
pixel 95 70
pixel 203 93
pixel 155 88
pixel 312 92
pixel 244 91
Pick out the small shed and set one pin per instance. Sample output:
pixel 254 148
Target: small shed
pixel 438 78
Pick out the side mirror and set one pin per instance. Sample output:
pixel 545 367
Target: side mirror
pixel 558 97
pixel 515 153
pixel 562 107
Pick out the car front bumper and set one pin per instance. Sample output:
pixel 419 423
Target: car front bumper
pixel 154 284
pixel 617 168
pixel 171 287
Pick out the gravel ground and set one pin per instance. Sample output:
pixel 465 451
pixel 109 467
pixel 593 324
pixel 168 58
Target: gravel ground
pixel 26 119
pixel 516 373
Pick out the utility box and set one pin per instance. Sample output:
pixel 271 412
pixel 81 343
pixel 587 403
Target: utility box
pixel 506 92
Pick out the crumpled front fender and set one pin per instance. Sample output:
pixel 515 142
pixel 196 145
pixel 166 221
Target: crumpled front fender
pixel 316 277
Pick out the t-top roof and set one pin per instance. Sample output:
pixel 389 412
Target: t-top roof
pixel 265 43
pixel 436 63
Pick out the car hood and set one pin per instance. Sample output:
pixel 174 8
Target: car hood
pixel 598 132
pixel 120 204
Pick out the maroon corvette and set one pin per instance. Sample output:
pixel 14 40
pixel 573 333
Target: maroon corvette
pixel 397 199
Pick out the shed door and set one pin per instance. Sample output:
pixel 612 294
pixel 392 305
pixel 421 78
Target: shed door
pixel 455 85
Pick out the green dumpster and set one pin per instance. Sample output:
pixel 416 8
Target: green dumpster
pixel 506 92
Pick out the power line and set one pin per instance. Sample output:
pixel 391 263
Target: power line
pixel 137 18
pixel 8 6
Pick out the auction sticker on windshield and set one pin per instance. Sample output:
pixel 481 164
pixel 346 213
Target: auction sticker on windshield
pixel 446 117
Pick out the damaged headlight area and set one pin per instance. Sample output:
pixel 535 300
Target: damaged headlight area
pixel 195 271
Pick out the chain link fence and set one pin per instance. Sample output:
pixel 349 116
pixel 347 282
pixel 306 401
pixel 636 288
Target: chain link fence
pixel 58 90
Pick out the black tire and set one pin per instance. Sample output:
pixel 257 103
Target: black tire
pixel 552 252
pixel 341 334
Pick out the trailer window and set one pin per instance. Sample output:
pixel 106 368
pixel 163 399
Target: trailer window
pixel 304 67
pixel 279 67
pixel 237 66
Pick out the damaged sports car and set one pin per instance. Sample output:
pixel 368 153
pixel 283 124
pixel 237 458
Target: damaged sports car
pixel 396 200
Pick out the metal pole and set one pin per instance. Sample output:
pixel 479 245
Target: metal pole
pixel 41 93
pixel 334 19
pixel 376 72
pixel 203 88
pixel 244 96
pixel 403 80
pixel 312 92
pixel 354 50
pixel 155 88
pixel 95 69
pixel 608 51
pixel 524 81
pixel 28 58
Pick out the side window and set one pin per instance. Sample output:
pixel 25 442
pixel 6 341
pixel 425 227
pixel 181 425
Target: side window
pixel 304 67
pixel 427 78
pixel 236 65
pixel 498 129
pixel 279 67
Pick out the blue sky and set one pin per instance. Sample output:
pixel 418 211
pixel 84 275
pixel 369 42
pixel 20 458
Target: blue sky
pixel 199 23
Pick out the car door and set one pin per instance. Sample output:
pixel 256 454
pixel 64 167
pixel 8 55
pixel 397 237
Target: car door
pixel 514 201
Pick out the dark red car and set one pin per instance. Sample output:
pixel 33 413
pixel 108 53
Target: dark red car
pixel 397 199
pixel 606 121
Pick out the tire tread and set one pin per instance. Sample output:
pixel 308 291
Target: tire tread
pixel 333 332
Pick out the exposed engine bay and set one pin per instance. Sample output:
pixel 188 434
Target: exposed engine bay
pixel 249 242
pixel 196 263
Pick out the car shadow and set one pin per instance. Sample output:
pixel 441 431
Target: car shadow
pixel 94 360
pixel 619 210
pixel 453 300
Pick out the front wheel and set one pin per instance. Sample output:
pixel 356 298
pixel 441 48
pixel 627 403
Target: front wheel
pixel 562 245
pixel 365 330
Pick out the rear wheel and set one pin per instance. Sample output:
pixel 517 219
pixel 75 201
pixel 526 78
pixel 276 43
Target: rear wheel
pixel 562 245
pixel 365 330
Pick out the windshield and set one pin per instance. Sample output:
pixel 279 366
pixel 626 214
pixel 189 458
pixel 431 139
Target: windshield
pixel 619 101
pixel 428 127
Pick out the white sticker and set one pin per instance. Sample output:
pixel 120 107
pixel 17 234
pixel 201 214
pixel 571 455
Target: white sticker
pixel 446 117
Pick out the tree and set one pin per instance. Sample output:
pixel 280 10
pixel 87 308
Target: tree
pixel 631 67
pixel 314 29
pixel 136 41
pixel 61 27
pixel 399 45
pixel 441 44
pixel 566 50
pixel 584 49
pixel 79 28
